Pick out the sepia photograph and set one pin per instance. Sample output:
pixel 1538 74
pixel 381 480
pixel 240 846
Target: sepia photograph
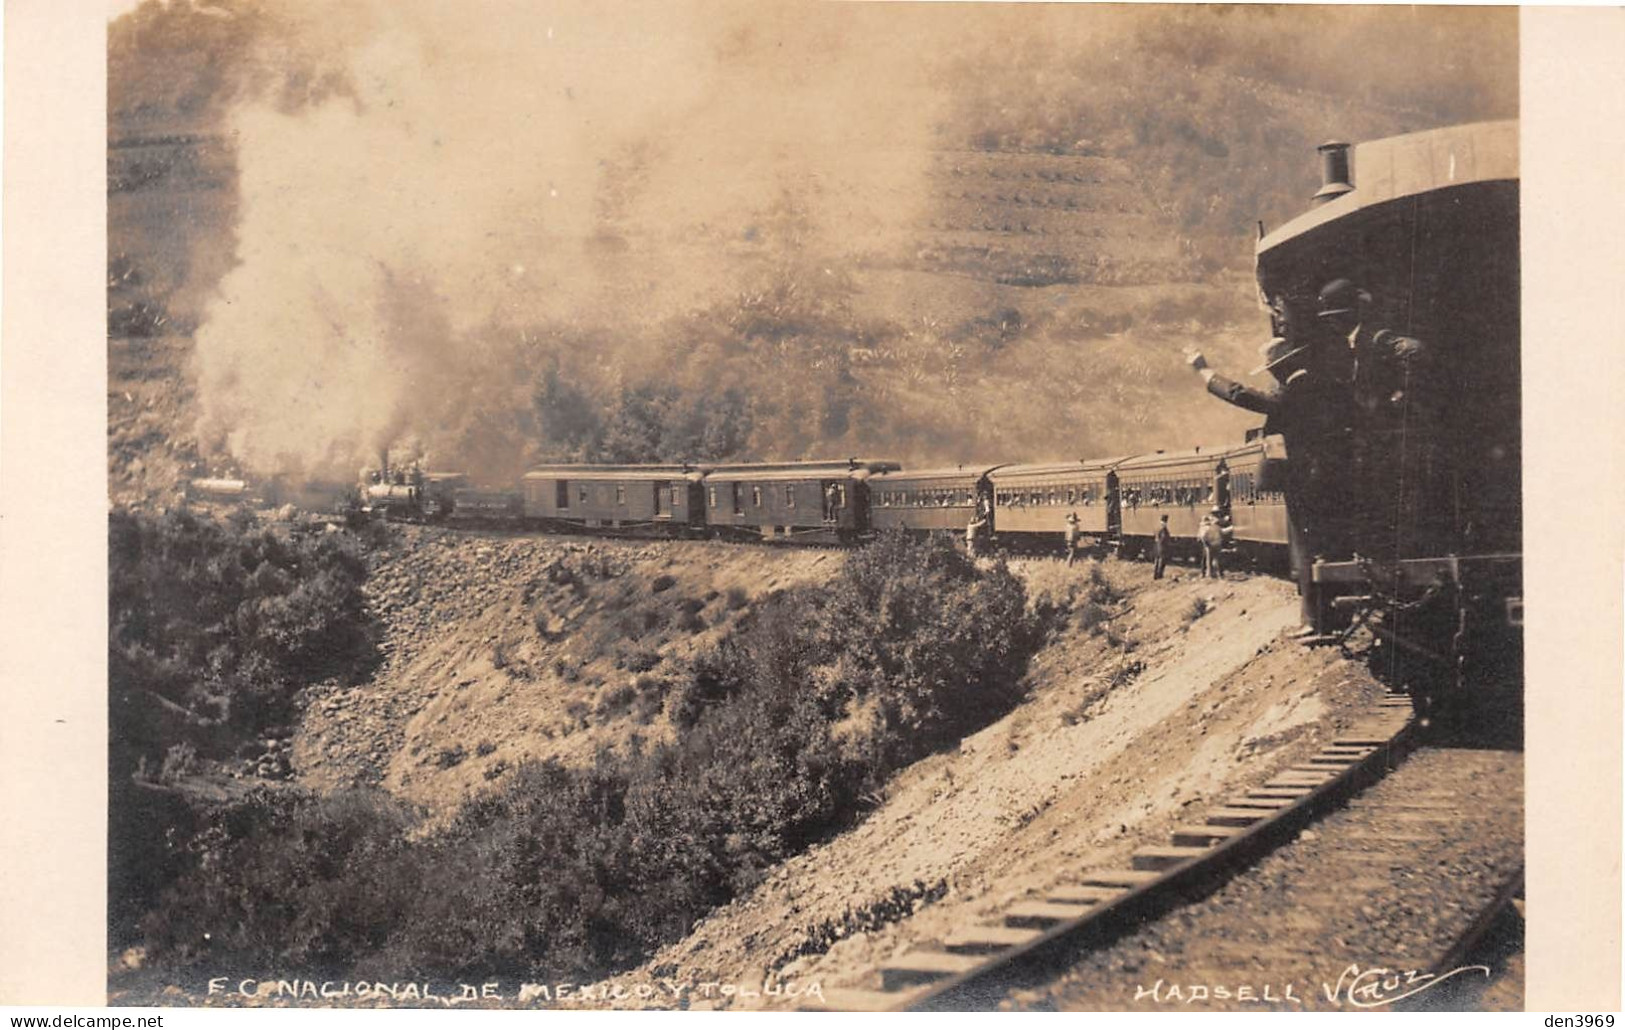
pixel 814 506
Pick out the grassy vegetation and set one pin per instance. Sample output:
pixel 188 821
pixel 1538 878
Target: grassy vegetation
pixel 795 717
pixel 213 629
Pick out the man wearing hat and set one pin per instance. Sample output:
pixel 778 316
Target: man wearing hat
pixel 1071 537
pixel 1391 443
pixel 1309 409
pixel 1159 549
pixel 1211 534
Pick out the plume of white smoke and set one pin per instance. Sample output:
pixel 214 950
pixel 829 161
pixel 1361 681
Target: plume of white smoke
pixel 512 163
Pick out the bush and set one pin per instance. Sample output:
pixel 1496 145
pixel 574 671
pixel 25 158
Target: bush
pixel 213 630
pixel 786 726
pixel 283 878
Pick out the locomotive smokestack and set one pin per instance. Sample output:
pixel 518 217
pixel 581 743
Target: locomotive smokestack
pixel 1334 171
pixel 383 463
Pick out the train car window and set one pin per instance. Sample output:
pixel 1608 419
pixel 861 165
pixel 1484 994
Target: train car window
pixel 840 495
pixel 676 497
pixel 620 493
pixel 756 496
pixel 711 495
pixel 739 498
pixel 790 495
pixel 561 494
pixel 581 494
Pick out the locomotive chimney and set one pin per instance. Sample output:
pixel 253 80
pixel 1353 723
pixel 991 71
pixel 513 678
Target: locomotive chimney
pixel 1334 171
pixel 383 464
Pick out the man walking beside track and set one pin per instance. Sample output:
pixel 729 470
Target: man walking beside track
pixel 973 535
pixel 1211 534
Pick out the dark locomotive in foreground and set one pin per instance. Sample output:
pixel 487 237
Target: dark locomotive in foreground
pixel 1398 509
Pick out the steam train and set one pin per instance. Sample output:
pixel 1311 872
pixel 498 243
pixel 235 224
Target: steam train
pixel 1118 503
pixel 1426 224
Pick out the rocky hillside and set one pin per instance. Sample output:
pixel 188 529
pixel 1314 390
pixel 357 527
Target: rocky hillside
pixel 504 649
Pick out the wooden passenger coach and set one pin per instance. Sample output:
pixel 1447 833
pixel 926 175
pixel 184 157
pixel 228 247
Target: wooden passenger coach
pixel 1031 501
pixel 648 497
pixel 929 500
pixel 1257 492
pixel 807 500
pixel 1179 484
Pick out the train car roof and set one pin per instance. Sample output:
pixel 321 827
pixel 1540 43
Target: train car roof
pixel 807 468
pixel 794 470
pixel 621 473
pixel 1056 468
pixel 1172 459
pixel 1397 167
pixel 788 475
pixel 966 472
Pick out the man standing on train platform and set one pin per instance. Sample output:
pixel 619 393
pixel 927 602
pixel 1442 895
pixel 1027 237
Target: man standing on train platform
pixel 1393 446
pixel 1071 537
pixel 1159 549
pixel 1308 408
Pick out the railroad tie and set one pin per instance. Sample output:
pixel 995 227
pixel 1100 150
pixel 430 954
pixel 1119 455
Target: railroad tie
pixel 1042 913
pixel 1299 778
pixel 1077 894
pixel 1197 836
pixel 1120 878
pixel 1166 856
pixel 1268 804
pixel 1289 793
pixel 986 939
pixel 923 967
pixel 1236 816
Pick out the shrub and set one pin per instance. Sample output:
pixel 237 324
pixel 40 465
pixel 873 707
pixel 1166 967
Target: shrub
pixel 662 583
pixel 284 878
pixel 213 631
pixel 448 757
pixel 642 660
pixel 1199 607
pixel 787 726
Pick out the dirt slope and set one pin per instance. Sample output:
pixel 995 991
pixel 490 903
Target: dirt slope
pixel 501 648
pixel 1127 725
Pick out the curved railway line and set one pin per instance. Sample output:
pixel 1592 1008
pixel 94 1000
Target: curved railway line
pixel 1410 857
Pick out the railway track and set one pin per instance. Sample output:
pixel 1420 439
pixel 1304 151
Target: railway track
pixel 1246 897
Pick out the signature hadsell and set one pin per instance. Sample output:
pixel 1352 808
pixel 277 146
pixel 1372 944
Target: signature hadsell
pixel 1356 987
